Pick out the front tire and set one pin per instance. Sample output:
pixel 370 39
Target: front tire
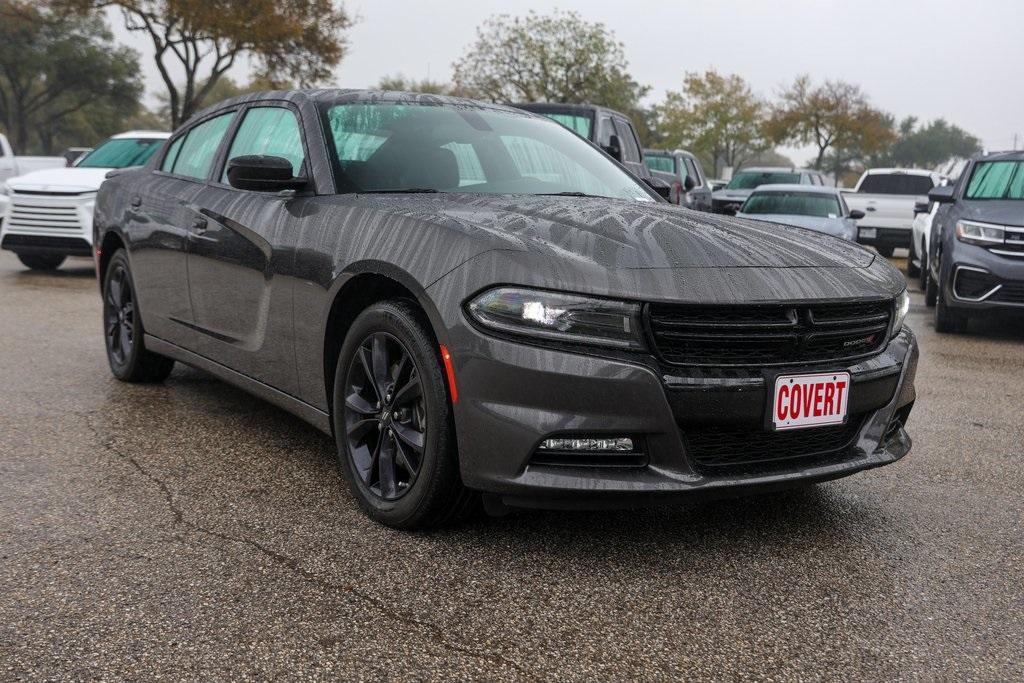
pixel 948 320
pixel 122 329
pixel 42 262
pixel 885 251
pixel 393 421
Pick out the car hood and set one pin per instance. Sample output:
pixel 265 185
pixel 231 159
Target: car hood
pixel 618 234
pixel 1004 212
pixel 60 180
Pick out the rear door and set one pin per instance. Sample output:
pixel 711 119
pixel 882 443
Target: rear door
pixel 238 260
pixel 157 223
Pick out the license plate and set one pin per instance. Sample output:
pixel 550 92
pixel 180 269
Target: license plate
pixel 810 400
pixel 869 233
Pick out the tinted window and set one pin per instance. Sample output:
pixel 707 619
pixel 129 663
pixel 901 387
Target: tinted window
pixel 200 146
pixel 121 153
pixel 896 183
pixel 271 131
pixel 660 162
pixel 792 204
pixel 577 123
pixel 748 180
pixel 630 147
pixel 392 147
pixel 605 132
pixel 996 180
pixel 172 155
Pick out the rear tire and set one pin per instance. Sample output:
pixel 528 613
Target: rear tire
pixel 931 289
pixel 885 251
pixel 43 262
pixel 912 270
pixel 122 329
pixel 393 421
pixel 924 269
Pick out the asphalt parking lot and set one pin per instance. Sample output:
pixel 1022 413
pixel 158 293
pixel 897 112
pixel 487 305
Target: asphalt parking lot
pixel 188 531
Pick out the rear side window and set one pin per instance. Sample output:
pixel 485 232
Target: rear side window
pixel 658 162
pixel 896 183
pixel 270 131
pixel 196 154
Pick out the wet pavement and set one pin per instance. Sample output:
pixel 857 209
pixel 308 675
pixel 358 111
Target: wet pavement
pixel 188 531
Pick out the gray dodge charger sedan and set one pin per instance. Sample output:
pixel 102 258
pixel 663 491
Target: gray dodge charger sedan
pixel 477 304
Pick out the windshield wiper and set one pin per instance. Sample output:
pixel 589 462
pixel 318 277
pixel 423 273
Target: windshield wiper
pixel 404 190
pixel 571 194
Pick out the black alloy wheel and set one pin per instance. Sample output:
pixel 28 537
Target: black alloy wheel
pixel 122 328
pixel 119 315
pixel 385 416
pixel 394 423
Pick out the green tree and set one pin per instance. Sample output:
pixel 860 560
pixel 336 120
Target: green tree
pixel 718 118
pixel 225 88
pixel 548 58
pixel 301 40
pixel 835 117
pixel 61 77
pixel 400 82
pixel 928 145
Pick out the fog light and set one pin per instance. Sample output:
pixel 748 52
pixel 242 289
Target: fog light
pixel 616 445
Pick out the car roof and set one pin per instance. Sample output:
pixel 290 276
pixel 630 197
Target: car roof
pixel 793 187
pixel 154 134
pixel 900 171
pixel 357 96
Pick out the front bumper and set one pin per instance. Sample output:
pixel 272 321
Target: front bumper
pixel 513 396
pixel 998 280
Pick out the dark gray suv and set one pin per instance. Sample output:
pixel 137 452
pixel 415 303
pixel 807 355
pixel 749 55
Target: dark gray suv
pixel 976 259
pixel 470 299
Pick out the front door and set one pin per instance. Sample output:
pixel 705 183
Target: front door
pixel 238 267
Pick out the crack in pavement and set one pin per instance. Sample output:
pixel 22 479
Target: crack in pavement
pixel 440 636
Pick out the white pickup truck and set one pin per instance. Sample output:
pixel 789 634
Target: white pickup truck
pixel 887 197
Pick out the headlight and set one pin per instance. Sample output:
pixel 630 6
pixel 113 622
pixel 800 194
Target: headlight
pixel 562 317
pixel 902 306
pixel 980 233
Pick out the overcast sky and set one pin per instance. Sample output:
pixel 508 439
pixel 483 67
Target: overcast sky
pixel 963 61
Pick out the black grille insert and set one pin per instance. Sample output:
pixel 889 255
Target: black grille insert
pixel 764 335
pixel 731 450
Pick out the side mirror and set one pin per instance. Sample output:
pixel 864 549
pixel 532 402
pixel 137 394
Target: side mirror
pixel 943 195
pixel 689 183
pixel 857 214
pixel 263 174
pixel 660 186
pixel 922 206
pixel 614 148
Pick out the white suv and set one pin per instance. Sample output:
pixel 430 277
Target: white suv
pixel 48 214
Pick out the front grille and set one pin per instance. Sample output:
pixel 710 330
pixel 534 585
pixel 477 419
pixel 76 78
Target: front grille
pixel 733 450
pixel 767 335
pixel 44 214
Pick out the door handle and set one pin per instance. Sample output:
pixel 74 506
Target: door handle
pixel 136 201
pixel 199 224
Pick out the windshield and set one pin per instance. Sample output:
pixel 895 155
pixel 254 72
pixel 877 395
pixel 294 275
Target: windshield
pixel 658 162
pixel 793 204
pixel 399 147
pixel 895 183
pixel 748 180
pixel 121 153
pixel 996 180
